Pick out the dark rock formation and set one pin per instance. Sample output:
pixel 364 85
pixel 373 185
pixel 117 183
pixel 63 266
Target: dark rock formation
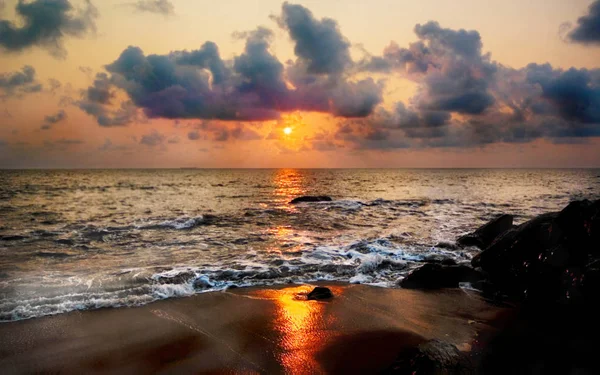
pixel 447 245
pixel 434 276
pixel 486 234
pixel 11 238
pixel 308 198
pixel 319 293
pixel 432 357
pixel 439 259
pixel 551 258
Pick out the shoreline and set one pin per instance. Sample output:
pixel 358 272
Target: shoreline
pixel 253 329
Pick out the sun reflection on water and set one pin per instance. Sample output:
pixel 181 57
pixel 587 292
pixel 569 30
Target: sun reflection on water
pixel 289 184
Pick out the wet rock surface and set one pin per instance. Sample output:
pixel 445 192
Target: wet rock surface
pixel 552 258
pixel 485 235
pixel 319 293
pixel 432 357
pixel 435 276
pixel 311 198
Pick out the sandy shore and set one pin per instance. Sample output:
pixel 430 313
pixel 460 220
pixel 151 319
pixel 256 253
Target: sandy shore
pixel 362 329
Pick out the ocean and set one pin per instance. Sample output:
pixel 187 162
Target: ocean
pixel 86 239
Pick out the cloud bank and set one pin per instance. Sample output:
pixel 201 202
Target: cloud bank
pixel 464 98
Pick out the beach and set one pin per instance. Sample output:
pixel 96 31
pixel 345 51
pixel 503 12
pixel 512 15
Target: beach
pixel 252 330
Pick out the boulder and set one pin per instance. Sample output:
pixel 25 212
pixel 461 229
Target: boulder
pixel 310 198
pixel 433 357
pixel 549 258
pixel 319 293
pixel 485 235
pixel 435 276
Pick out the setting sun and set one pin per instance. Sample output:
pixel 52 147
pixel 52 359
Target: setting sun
pixel 287 130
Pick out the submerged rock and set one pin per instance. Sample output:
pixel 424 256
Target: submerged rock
pixel 432 357
pixel 310 198
pixel 12 238
pixel 435 276
pixel 319 293
pixel 485 235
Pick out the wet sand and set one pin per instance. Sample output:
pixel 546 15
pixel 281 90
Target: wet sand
pixel 361 330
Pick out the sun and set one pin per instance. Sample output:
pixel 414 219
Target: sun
pixel 287 130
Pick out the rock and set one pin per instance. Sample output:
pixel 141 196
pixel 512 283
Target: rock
pixel 319 293
pixel 435 276
pixel 439 259
pixel 11 238
pixel 550 258
pixel 432 357
pixel 485 235
pixel 308 198
pixel 202 283
pixel 447 245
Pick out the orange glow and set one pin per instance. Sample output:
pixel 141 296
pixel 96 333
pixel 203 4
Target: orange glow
pixel 289 184
pixel 287 131
pixel 303 328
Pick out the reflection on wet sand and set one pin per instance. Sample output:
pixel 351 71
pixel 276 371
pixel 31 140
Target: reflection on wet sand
pixel 302 326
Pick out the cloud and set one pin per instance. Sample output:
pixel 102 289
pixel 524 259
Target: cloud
pixel 62 144
pixel 44 23
pixel 253 86
pixel 97 101
pixel 108 145
pixel 51 120
pixel 164 7
pixel 153 139
pixel 319 44
pixel 19 83
pixel 463 98
pixel 587 30
pixel 210 130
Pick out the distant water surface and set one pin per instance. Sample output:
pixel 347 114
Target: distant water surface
pixel 72 240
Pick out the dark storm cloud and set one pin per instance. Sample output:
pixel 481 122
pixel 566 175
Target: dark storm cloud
pixel 207 57
pixel 587 30
pixel 19 83
pixel 574 94
pixel 51 120
pixel 164 7
pixel 45 23
pixel 254 86
pixel 319 44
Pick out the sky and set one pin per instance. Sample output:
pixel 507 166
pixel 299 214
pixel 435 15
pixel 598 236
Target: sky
pixel 306 84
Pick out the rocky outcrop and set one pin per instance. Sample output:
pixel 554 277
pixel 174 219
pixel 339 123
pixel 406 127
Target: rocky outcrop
pixel 319 293
pixel 433 357
pixel 552 258
pixel 310 198
pixel 484 236
pixel 435 276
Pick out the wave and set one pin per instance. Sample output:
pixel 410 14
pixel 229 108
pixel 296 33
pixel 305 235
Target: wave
pixel 179 223
pixel 379 262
